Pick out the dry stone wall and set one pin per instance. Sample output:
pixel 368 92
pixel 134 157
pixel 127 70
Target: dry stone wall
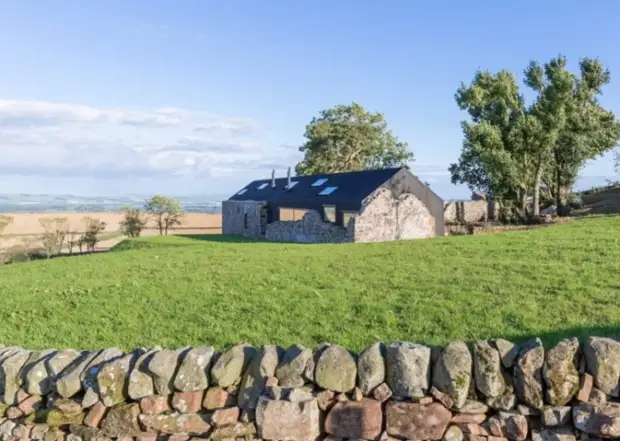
pixel 484 391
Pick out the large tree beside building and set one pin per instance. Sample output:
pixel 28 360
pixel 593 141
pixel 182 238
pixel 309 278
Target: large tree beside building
pixel 512 150
pixel 349 138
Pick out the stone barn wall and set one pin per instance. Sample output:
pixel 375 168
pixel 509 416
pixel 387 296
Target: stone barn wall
pixel 468 211
pixel 234 218
pixel 385 218
pixel 488 390
pixel 309 229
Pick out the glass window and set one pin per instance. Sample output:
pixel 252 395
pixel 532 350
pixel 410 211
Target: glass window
pixel 327 190
pixel 329 213
pixel 319 182
pixel 346 216
pixel 261 186
pixel 293 183
pixel 242 191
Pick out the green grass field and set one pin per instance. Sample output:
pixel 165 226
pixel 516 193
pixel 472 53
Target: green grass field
pixel 176 291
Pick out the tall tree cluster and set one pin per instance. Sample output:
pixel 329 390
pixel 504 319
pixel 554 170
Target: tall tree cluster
pixel 513 151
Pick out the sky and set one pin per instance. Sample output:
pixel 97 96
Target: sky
pixel 117 97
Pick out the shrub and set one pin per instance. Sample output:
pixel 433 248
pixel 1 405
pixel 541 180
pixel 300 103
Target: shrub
pixel 73 240
pixel 134 221
pixel 54 234
pixel 166 212
pixel 5 221
pixel 90 238
pixel 575 201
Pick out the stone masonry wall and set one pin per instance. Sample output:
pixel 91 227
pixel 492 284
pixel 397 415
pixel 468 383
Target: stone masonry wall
pixel 489 390
pixel 311 228
pixel 233 218
pixel 467 211
pixel 386 218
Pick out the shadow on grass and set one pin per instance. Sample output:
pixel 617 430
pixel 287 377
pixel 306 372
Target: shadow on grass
pixel 552 338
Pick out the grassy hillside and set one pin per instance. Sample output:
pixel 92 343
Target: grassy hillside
pixel 187 291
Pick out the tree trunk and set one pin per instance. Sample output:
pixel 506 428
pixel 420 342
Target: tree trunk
pixel 560 197
pixel 536 195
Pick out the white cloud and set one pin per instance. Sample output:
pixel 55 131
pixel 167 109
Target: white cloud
pixel 58 139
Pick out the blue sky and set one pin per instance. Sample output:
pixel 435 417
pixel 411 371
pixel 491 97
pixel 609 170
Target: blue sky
pixel 110 97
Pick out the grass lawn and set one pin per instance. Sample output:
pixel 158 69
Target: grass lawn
pixel 176 291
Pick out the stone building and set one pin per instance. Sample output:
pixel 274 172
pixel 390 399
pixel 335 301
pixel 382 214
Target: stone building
pixel 365 206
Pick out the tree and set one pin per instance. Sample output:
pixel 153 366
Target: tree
pixel 349 138
pixel 55 231
pixel 511 151
pixel 492 161
pixel 133 222
pixel 166 212
pixel 590 132
pixel 90 238
pixel 5 221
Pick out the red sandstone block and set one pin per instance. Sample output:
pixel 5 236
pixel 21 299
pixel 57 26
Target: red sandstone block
pixel 382 392
pixel 14 413
pixel 496 438
pixel 355 420
pixel 147 436
pixel 30 404
pixel 585 387
pixel 442 397
pixel 21 395
pixel 154 404
pixel 271 382
pixel 95 415
pixel 178 438
pixel 325 399
pixel 224 417
pixel 187 402
pixel 473 429
pixel 466 418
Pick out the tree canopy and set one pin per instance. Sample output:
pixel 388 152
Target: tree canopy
pixel 512 151
pixel 349 138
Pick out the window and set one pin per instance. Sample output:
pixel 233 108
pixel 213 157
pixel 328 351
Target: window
pixel 329 213
pixel 293 183
pixel 245 221
pixel 327 190
pixel 319 182
pixel 291 214
pixel 242 191
pixel 261 186
pixel 346 216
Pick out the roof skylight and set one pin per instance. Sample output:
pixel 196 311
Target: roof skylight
pixel 242 191
pixel 293 183
pixel 263 185
pixel 327 190
pixel 319 182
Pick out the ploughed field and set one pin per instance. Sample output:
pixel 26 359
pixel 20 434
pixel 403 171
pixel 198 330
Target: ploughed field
pixel 176 291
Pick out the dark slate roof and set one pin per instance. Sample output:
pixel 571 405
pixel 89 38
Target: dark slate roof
pixel 352 188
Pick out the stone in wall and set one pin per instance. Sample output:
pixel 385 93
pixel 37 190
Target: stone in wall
pixel 398 390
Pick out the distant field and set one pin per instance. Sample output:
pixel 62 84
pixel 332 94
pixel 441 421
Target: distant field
pixel 174 291
pixel 27 224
